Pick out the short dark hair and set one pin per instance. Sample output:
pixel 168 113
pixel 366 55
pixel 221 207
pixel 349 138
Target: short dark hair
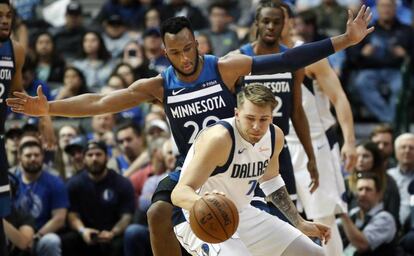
pixel 225 5
pixel 29 144
pixel 174 25
pixel 127 125
pixel 267 4
pixel 370 176
pixel 381 128
pixel 5 2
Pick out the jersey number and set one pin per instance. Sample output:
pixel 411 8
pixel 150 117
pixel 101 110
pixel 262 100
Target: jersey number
pixel 253 186
pixel 278 107
pixel 196 128
pixel 2 90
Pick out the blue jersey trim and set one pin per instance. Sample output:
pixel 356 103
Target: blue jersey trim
pixel 224 168
pixel 272 137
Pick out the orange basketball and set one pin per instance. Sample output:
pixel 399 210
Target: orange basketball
pixel 214 218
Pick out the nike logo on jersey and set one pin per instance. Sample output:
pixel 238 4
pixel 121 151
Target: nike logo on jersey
pixel 320 147
pixel 241 150
pixel 177 92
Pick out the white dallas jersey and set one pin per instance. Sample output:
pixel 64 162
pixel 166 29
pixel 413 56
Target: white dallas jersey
pixel 246 164
pixel 317 109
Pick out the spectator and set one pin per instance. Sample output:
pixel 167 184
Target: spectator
pixel 74 83
pixel 407 240
pixel 379 58
pixel 75 149
pixel 134 57
pixel 152 18
pixel 42 195
pixel 30 82
pixel 403 174
pixel 12 140
pixel 99 219
pixel 154 51
pixel 223 39
pixel 71 32
pixel 49 65
pixel 369 159
pixel 204 44
pixel 331 17
pixel 95 59
pixel 103 130
pixel 137 235
pixel 183 8
pixel 131 143
pixel 115 35
pixel 383 136
pixel 63 163
pixel 369 229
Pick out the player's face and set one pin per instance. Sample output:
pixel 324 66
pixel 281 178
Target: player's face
pixel 365 159
pixel 253 121
pixel 181 51
pixel 5 21
pixel 270 25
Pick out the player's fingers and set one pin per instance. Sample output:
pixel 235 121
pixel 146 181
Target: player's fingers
pixel 350 16
pixel 17 110
pixel 39 91
pixel 361 12
pixel 20 95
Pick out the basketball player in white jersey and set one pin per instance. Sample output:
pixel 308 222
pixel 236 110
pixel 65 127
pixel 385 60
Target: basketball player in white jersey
pixel 232 157
pixel 320 88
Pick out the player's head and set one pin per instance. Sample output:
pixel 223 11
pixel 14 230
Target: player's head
pixel 255 104
pixel 6 18
pixel 180 45
pixel 269 21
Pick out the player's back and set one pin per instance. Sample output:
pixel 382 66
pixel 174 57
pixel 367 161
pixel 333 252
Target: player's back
pixel 281 85
pixel 7 69
pixel 245 166
pixel 190 107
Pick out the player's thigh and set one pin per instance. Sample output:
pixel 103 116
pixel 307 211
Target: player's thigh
pixel 264 234
pixel 195 246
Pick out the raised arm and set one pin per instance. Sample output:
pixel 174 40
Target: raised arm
pixel 143 90
pixel 211 149
pixel 331 86
pixel 231 66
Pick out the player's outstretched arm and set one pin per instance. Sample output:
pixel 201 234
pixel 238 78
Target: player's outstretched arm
pixel 210 150
pixel 90 103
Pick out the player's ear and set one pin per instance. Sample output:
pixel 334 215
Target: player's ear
pixel 236 112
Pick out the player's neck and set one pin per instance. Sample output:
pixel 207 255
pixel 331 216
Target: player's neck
pixel 261 48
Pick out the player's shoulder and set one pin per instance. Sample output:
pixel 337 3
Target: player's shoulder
pixel 217 135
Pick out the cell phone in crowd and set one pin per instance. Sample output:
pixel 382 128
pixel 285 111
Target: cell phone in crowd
pixel 132 53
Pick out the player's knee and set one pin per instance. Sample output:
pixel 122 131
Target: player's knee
pixel 159 214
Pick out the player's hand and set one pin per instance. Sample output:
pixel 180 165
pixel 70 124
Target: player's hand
pixel 348 156
pixel 314 229
pixel 314 174
pixel 357 29
pixel 32 106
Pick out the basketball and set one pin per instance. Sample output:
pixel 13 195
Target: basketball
pixel 214 218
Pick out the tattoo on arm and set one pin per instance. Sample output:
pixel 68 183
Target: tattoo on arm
pixel 281 199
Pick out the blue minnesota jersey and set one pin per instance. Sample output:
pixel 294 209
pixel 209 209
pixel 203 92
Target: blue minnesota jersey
pixel 191 107
pixel 281 85
pixel 7 69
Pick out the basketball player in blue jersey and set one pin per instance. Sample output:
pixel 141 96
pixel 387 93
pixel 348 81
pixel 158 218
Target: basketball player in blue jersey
pixel 195 91
pixel 231 157
pixel 286 88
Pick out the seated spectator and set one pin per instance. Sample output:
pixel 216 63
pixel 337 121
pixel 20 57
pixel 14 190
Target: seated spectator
pixel 383 136
pixel 369 159
pixel 130 141
pixel 62 162
pixel 115 35
pixel 154 51
pixel 379 58
pixel 369 230
pixel 30 82
pixel 74 84
pixel 75 149
pixel 103 127
pixel 137 238
pixel 134 57
pixel 12 140
pixel 101 207
pixel 223 39
pixel 152 18
pixel 19 226
pixel 44 196
pixel 204 44
pixel 49 65
pixel 96 60
pixel 71 32
pixel 407 241
pixel 403 174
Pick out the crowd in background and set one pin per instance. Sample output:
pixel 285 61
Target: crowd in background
pixel 104 169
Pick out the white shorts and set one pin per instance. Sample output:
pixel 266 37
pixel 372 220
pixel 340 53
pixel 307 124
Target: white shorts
pixel 327 199
pixel 258 234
